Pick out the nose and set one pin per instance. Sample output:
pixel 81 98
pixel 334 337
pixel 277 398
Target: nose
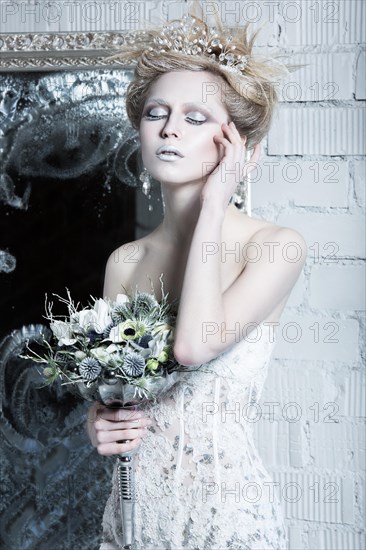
pixel 171 128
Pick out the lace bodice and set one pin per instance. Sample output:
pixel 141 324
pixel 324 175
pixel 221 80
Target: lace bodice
pixel 200 483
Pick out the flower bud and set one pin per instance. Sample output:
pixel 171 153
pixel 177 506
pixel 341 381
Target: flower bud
pixel 152 364
pixel 163 357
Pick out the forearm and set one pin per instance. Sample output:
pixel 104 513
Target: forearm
pixel 201 303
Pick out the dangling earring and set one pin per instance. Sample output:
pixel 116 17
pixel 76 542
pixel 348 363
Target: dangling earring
pixel 145 178
pixel 240 197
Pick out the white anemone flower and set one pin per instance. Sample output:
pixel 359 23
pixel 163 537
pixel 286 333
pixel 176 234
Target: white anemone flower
pixel 96 319
pixel 103 318
pixel 88 320
pixel 103 354
pixel 63 332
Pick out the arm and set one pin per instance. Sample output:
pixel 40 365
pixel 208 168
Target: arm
pixel 205 312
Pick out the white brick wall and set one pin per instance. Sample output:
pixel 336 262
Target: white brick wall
pixel 331 131
pixel 325 77
pixel 311 177
pixel 302 182
pixel 361 76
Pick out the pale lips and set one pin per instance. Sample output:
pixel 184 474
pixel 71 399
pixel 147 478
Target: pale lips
pixel 168 152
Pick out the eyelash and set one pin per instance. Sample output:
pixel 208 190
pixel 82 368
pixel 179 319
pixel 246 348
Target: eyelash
pixel 157 117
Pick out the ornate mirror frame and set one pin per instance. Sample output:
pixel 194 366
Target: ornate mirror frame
pixel 49 467
pixel 59 50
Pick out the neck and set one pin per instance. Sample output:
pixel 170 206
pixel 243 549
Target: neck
pixel 182 207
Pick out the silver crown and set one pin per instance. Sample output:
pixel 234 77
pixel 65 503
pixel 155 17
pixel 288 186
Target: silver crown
pixel 191 37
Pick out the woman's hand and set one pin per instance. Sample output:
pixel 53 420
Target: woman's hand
pixel 108 427
pixel 232 168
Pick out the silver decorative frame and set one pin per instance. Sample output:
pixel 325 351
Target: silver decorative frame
pixel 60 50
pixel 68 506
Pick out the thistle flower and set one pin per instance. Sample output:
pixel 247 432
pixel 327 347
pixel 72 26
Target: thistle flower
pixel 89 369
pixel 134 364
pixel 144 304
pixel 120 313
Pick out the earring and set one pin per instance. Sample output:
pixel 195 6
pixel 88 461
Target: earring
pixel 240 197
pixel 145 178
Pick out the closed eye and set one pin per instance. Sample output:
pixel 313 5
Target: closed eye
pixel 157 117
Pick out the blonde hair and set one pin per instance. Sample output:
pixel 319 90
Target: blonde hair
pixel 250 98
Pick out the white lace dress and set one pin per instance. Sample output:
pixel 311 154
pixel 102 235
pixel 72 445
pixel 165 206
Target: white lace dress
pixel 199 482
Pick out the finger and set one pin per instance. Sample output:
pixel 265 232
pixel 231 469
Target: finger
pixel 108 449
pixel 116 415
pixel 233 133
pixel 234 128
pixel 222 139
pixel 120 435
pixel 94 410
pixel 107 425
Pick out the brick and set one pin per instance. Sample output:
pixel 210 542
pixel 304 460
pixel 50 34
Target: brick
pixel 295 538
pixel 318 131
pixel 326 77
pixel 236 14
pixel 286 385
pixel 298 292
pixel 361 76
pixel 329 236
pixel 337 445
pixel 324 23
pixel 359 176
pixel 296 445
pixel 316 338
pixel 107 16
pixel 336 539
pixel 354 395
pixel 337 287
pixel 304 183
pixel 272 441
pixel 310 497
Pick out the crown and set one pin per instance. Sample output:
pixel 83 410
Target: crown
pixel 192 37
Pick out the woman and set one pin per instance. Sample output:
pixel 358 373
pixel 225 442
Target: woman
pixel 199 480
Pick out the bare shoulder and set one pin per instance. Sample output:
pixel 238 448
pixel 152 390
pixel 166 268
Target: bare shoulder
pixel 282 236
pixel 121 266
pixel 251 228
pixel 283 243
pixel 270 240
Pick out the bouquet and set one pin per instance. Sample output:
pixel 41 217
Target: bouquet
pixel 112 351
pixel 119 353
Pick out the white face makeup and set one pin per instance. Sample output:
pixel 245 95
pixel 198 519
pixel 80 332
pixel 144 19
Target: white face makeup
pixel 183 114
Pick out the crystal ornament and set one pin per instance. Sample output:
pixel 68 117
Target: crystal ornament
pixel 191 37
pixel 146 182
